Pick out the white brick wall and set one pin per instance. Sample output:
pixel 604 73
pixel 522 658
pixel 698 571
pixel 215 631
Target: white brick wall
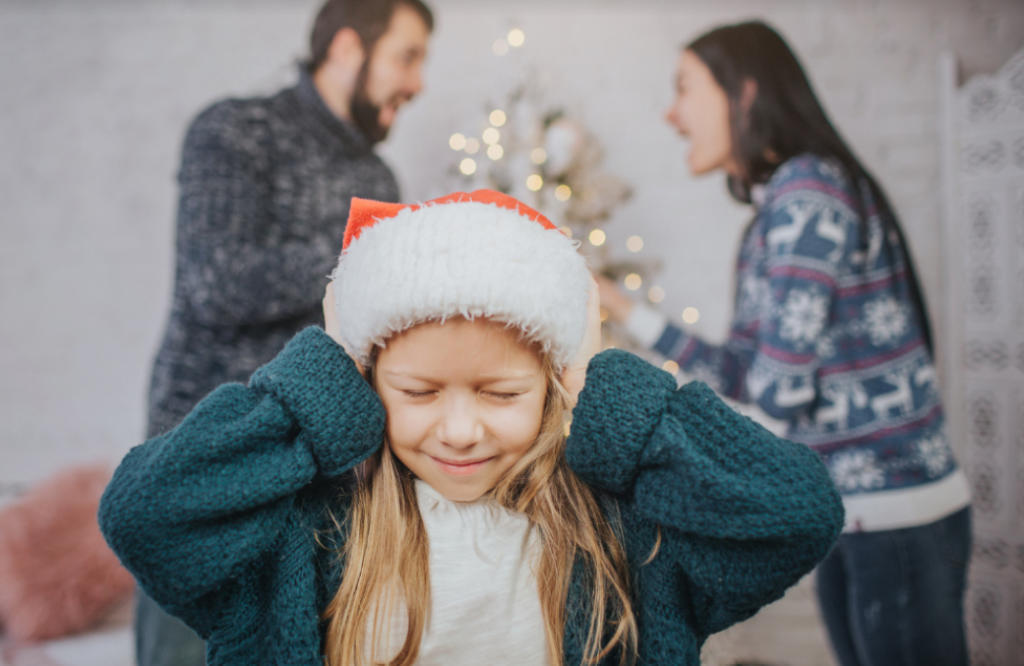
pixel 95 100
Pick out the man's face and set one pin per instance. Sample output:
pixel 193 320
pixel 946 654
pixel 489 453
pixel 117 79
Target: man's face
pixel 392 75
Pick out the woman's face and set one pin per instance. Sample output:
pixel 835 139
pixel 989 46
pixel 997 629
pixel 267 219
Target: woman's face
pixel 700 112
pixel 464 401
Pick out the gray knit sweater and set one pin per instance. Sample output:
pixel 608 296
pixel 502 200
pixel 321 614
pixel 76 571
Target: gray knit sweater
pixel 265 186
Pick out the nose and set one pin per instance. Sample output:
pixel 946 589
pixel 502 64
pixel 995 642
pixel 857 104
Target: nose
pixel 460 426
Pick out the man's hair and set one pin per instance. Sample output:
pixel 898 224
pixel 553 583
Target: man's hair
pixel 369 18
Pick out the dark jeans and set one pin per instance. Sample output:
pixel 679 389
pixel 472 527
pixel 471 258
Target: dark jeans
pixel 162 639
pixel 895 598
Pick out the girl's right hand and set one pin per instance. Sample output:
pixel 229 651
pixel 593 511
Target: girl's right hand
pixel 332 326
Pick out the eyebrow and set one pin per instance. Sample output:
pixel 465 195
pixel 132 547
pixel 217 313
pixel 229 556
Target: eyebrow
pixel 485 379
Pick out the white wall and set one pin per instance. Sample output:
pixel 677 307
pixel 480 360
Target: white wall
pixel 94 101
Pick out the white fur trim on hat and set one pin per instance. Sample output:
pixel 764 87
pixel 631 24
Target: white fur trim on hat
pixel 465 259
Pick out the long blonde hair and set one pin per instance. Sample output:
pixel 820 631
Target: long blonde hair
pixel 386 555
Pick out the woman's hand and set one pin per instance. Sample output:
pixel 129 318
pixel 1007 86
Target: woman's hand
pixel 576 374
pixel 333 327
pixel 613 300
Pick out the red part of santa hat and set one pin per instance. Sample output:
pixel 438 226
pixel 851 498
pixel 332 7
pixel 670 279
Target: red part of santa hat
pixel 365 213
pixel 482 254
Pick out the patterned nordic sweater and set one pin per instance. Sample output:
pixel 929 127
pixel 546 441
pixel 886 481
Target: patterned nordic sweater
pixel 218 518
pixel 825 339
pixel 265 186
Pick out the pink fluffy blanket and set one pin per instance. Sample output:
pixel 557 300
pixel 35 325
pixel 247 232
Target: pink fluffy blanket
pixel 57 575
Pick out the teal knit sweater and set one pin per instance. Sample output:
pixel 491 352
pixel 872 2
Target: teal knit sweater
pixel 219 518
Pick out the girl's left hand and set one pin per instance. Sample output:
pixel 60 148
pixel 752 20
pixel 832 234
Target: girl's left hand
pixel 576 374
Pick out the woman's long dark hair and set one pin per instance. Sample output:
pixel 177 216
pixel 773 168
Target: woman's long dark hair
pixel 784 120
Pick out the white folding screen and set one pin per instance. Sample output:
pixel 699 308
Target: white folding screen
pixel 983 357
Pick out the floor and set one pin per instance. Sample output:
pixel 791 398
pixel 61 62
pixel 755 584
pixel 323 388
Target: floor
pixel 109 644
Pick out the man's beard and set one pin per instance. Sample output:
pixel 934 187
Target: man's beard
pixel 366 114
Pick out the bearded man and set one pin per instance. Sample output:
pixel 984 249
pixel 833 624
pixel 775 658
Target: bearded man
pixel 265 186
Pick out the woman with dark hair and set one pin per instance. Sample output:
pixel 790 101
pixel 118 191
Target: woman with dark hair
pixel 830 334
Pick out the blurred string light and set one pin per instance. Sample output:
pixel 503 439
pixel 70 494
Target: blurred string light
pixel 497 117
pixel 495 152
pixel 690 315
pixel 656 294
pixel 635 243
pixel 500 46
pixel 563 192
pixel 516 37
pixel 457 142
pixel 633 281
pixel 491 136
pixel 468 166
pixel 597 237
pixel 670 366
pixel 538 156
pixel 534 183
pixel 472 145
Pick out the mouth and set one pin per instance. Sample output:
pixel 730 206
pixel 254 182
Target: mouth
pixel 461 467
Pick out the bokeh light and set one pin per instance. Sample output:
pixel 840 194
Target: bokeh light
pixel 495 152
pixel 538 156
pixel 670 366
pixel 597 237
pixel 468 166
pixel 516 37
pixel 567 230
pixel 563 192
pixel 632 281
pixel 472 145
pixel 656 294
pixel 457 142
pixel 634 243
pixel 690 315
pixel 534 183
pixel 491 136
pixel 498 117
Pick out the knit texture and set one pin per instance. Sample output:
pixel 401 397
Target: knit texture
pixel 217 517
pixel 824 335
pixel 265 186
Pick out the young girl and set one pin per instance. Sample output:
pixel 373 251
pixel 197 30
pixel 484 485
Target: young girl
pixel 401 489
pixel 829 335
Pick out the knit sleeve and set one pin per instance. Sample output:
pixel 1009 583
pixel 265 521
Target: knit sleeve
pixel 196 513
pixel 241 258
pixel 742 513
pixel 785 311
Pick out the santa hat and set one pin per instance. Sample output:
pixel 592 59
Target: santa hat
pixel 482 254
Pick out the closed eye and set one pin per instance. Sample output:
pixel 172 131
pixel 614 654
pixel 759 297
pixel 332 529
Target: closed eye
pixel 503 396
pixel 418 394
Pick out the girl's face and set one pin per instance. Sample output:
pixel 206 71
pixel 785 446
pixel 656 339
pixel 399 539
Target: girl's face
pixel 464 401
pixel 700 112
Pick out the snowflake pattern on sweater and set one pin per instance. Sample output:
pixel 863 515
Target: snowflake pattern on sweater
pixel 824 338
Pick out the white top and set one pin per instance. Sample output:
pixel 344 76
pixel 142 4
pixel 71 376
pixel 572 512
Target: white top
pixel 485 607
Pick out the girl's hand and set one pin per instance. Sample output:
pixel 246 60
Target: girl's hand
pixel 576 374
pixel 613 300
pixel 333 327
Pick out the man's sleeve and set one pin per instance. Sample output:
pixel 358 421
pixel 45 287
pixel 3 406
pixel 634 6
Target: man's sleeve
pixel 239 261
